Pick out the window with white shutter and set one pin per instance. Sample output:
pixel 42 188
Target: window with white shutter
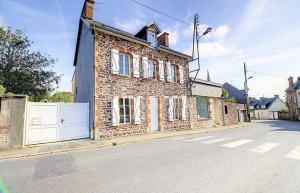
pixel 152 69
pixel 181 74
pixel 114 61
pixel 183 114
pixel 161 71
pixel 145 67
pixel 170 109
pixel 168 72
pixel 137 111
pixel 136 66
pixel 115 111
pixel 124 64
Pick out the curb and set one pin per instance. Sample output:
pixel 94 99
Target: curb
pixel 123 142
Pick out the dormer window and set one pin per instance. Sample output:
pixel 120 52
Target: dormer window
pixel 152 38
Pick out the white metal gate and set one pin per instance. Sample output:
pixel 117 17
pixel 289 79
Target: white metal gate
pixel 50 122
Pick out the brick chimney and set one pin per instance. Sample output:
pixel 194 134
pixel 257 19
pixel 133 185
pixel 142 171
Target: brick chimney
pixel 88 9
pixel 164 39
pixel 291 82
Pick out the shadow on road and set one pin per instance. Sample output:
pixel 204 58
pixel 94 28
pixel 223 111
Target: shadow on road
pixel 281 125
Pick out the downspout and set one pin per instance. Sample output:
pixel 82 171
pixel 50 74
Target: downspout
pixel 94 82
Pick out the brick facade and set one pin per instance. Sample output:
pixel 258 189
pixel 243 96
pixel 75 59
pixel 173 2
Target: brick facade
pixel 231 115
pixel 109 85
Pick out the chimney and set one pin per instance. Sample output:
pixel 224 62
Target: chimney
pixel 88 9
pixel 291 82
pixel 261 98
pixel 164 39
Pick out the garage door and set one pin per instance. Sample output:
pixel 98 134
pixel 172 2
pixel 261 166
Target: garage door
pixel 50 122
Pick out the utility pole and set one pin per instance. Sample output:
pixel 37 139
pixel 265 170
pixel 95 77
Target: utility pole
pixel 246 93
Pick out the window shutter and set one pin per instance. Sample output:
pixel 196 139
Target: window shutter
pixel 137 111
pixel 181 74
pixel 115 111
pixel 170 109
pixel 145 68
pixel 114 61
pixel 168 72
pixel 136 66
pixel 183 107
pixel 161 70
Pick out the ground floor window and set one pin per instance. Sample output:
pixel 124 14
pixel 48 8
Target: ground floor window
pixel 296 111
pixel 175 108
pixel 202 106
pixel 125 115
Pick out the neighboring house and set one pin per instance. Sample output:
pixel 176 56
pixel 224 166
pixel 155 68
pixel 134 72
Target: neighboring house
pixel 205 103
pixel 134 84
pixel 266 108
pixel 239 95
pixel 293 98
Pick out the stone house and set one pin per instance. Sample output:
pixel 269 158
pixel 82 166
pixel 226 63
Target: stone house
pixel 233 113
pixel 205 103
pixel 134 84
pixel 266 108
pixel 293 98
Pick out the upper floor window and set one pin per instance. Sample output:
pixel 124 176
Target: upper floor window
pixel 173 74
pixel 124 64
pixel 151 38
pixel 152 69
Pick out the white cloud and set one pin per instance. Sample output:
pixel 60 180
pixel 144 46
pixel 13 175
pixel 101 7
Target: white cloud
pixel 39 15
pixel 1 21
pixel 173 33
pixel 132 25
pixel 220 32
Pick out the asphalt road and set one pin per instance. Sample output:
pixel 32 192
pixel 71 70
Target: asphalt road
pixel 261 158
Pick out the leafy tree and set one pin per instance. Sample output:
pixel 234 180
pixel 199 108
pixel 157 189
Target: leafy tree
pixel 284 110
pixel 230 100
pixel 40 97
pixel 23 71
pixel 2 90
pixel 61 97
pixel 225 92
pixel 3 94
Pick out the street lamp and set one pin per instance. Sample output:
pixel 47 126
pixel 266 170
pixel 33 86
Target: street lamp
pixel 207 31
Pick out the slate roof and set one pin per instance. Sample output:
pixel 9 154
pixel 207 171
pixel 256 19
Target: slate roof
pixel 238 94
pixel 266 101
pixel 295 86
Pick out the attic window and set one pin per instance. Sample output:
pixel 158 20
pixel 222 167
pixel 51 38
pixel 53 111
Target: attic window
pixel 152 38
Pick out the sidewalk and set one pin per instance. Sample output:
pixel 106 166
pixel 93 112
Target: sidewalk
pixel 83 144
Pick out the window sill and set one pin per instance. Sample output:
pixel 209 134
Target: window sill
pixel 204 119
pixel 123 125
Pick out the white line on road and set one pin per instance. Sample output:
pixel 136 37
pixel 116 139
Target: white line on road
pixel 283 132
pixel 237 143
pixel 196 139
pixel 264 148
pixel 176 138
pixel 215 140
pixel 295 153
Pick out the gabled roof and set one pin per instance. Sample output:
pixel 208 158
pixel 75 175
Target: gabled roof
pixel 236 93
pixel 152 25
pixel 265 101
pixel 295 86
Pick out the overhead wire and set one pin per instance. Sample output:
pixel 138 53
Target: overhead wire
pixel 205 37
pixel 181 13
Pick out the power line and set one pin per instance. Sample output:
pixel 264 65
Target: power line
pixel 161 13
pixel 205 37
pixel 168 7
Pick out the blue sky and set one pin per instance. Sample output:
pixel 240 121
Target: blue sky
pixel 263 33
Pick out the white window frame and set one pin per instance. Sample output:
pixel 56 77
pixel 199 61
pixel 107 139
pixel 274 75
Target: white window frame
pixel 176 109
pixel 152 69
pixel 123 64
pixel 123 101
pixel 173 73
pixel 296 111
pixel 149 38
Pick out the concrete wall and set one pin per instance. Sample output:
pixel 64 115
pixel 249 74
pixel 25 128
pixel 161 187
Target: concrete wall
pixel 12 114
pixel 84 71
pixel 262 114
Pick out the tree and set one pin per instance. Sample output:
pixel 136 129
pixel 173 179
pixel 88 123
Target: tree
pixel 61 97
pixel 23 71
pixel 2 90
pixel 225 92
pixel 230 100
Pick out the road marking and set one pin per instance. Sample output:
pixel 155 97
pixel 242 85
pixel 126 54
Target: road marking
pixel 196 139
pixel 264 148
pixel 283 132
pixel 295 153
pixel 215 140
pixel 176 138
pixel 237 143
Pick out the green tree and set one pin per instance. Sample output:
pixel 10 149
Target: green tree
pixel 2 90
pixel 40 97
pixel 230 100
pixel 225 92
pixel 23 71
pixel 61 97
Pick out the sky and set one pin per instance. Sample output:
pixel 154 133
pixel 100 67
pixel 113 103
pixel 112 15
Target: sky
pixel 264 34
